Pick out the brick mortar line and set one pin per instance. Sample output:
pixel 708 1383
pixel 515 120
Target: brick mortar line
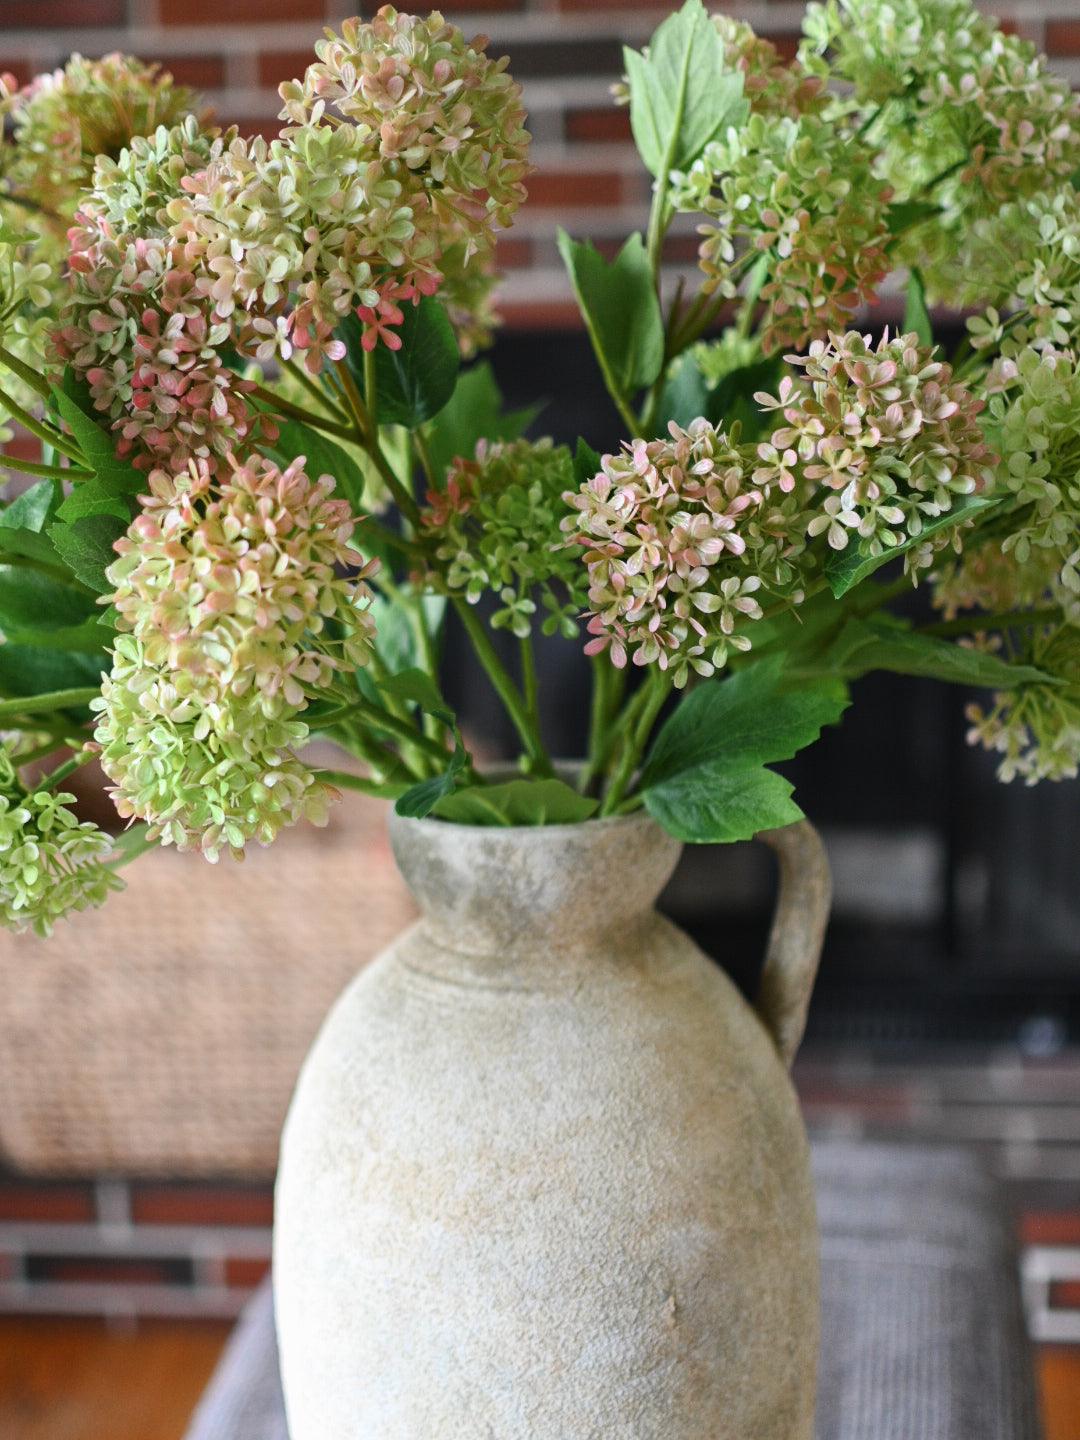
pixel 164 1241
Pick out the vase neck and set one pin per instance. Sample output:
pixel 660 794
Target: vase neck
pixel 533 892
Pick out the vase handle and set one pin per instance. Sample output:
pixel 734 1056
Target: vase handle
pixel 797 934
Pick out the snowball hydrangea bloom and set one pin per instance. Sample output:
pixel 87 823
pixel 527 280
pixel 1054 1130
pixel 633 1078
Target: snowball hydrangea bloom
pixel 882 437
pixel 677 538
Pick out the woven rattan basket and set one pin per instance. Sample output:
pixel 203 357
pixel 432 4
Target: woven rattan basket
pixel 163 1034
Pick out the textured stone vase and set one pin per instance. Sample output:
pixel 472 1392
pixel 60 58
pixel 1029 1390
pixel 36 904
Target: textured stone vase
pixel 544 1176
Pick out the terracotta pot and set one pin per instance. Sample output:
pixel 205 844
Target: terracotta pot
pixel 544 1176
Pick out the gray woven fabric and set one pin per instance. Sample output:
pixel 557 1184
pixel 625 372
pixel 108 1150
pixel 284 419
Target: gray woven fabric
pixel 923 1336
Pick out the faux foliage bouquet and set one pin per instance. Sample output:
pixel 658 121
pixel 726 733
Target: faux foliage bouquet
pixel 267 471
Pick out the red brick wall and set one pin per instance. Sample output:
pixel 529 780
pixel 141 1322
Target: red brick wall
pixel 565 52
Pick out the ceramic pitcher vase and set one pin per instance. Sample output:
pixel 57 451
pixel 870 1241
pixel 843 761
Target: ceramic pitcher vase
pixel 544 1176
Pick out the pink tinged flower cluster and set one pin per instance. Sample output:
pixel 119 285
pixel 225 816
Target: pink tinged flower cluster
pixel 441 124
pixel 877 440
pixel 234 581
pixel 801 189
pixel 674 532
pixel 233 612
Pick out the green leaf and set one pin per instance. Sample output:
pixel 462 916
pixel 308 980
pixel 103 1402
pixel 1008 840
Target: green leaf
pixel 685 395
pixel 517 802
pixel 422 798
pixel 26 671
pixel 885 644
pixel 86 548
pixel 395 629
pixel 474 412
pixel 587 463
pixel 621 310
pixel 35 609
pixel 322 456
pixel 116 483
pixel 10 236
pixel 705 780
pixel 909 213
pixel 23 523
pixel 415 382
pixel 730 401
pixel 682 91
pixel 844 569
pixel 418 688
pixel 916 315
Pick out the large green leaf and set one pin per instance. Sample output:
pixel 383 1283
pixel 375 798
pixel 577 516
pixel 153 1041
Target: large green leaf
pixel 35 609
pixel 322 456
pixel 86 548
pixel 115 483
pixel 687 394
pixel 24 522
pixel 844 569
pixel 26 670
pixel 682 91
pixel 517 802
pixel 621 310
pixel 396 638
pixel 885 644
pixel 705 779
pixel 414 382
pixel 474 412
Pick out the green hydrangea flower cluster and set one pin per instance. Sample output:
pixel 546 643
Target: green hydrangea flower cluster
pixel 1036 728
pixel 493 526
pixel 51 863
pixel 679 543
pixel 235 615
pixel 878 439
pixel 63 121
pixel 804 190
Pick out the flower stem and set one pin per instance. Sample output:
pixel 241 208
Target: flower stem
pixel 290 411
pixel 72 699
pixel 348 781
pixel 508 692
pixel 315 391
pixel 26 374
pixel 61 773
pixel 44 433
pixel 48 472
pixel 649 700
pixel 130 845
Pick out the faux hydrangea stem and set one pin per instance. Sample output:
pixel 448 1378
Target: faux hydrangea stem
pixel 297 412
pixel 44 433
pixel 652 696
pixel 26 373
pixel 505 688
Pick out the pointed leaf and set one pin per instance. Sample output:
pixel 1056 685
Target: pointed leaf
pixel 844 569
pixel 705 780
pixel 883 644
pixel 86 548
pixel 916 315
pixel 23 523
pixel 682 91
pixel 474 412
pixel 414 382
pixel 620 308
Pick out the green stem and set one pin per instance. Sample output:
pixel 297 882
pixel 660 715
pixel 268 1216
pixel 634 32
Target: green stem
pixel 654 693
pixel 382 720
pixel 26 374
pixel 130 845
pixel 45 433
pixel 368 435
pixel 297 412
pixel 61 773
pixel 47 472
pixel 1001 620
pixel 73 699
pixel 530 685
pixel 371 390
pixel 348 781
pixel 315 390
pixel 602 672
pixel 505 688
